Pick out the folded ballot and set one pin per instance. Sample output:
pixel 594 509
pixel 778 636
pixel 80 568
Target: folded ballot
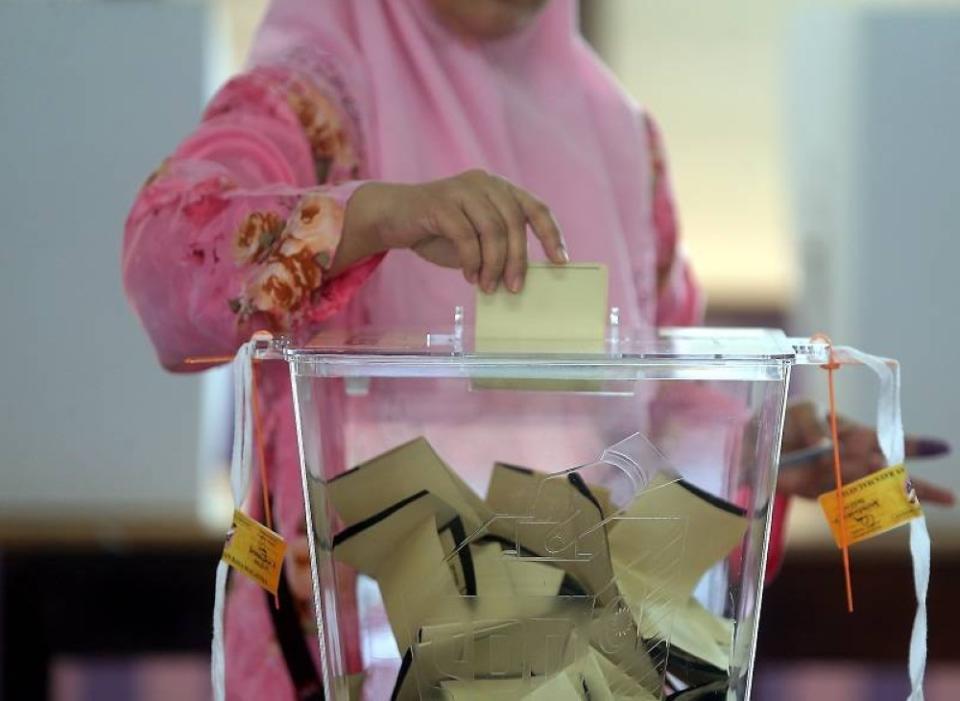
pixel 389 478
pixel 542 590
pixel 658 561
pixel 555 519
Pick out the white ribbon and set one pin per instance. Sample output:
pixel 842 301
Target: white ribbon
pixel 240 463
pixel 890 435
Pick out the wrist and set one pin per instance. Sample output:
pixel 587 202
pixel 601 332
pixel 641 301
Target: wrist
pixel 363 220
pixel 360 238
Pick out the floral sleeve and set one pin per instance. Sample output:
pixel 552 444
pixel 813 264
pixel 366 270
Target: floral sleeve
pixel 237 230
pixel 679 301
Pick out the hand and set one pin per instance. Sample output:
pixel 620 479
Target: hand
pixel 474 221
pixel 860 455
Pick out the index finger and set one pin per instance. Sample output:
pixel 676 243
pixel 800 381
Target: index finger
pixel 544 226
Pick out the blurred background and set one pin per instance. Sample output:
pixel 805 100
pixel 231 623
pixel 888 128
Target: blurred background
pixel 814 153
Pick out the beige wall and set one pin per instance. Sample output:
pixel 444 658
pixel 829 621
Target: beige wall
pixel 239 19
pixel 710 72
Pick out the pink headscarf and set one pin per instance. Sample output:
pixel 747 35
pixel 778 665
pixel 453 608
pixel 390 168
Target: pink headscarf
pixel 536 108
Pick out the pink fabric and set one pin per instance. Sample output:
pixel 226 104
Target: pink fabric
pixel 536 108
pixel 234 230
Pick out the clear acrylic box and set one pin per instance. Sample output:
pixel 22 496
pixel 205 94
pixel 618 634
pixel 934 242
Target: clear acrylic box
pixel 540 525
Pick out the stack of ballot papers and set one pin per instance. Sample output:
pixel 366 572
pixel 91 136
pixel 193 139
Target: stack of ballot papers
pixel 542 590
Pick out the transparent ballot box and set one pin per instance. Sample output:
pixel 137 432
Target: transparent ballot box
pixel 520 524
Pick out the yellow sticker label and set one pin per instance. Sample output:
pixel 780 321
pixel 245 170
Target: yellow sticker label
pixel 255 550
pixel 873 504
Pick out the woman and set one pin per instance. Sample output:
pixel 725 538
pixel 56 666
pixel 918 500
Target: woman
pixel 441 131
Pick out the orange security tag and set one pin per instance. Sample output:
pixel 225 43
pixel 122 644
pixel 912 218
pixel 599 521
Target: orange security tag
pixel 873 504
pixel 255 550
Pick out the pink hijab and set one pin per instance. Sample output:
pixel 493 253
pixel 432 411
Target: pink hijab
pixel 537 108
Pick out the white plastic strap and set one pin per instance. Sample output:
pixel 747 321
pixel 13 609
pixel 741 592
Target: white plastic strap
pixel 890 435
pixel 240 464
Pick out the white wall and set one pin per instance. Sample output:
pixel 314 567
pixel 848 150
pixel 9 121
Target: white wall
pixel 92 96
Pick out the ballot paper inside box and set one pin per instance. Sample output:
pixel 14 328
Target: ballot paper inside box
pixel 593 527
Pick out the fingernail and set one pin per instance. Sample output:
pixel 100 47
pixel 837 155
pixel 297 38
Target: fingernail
pixel 515 284
pixel 564 255
pixel 930 447
pixel 472 277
